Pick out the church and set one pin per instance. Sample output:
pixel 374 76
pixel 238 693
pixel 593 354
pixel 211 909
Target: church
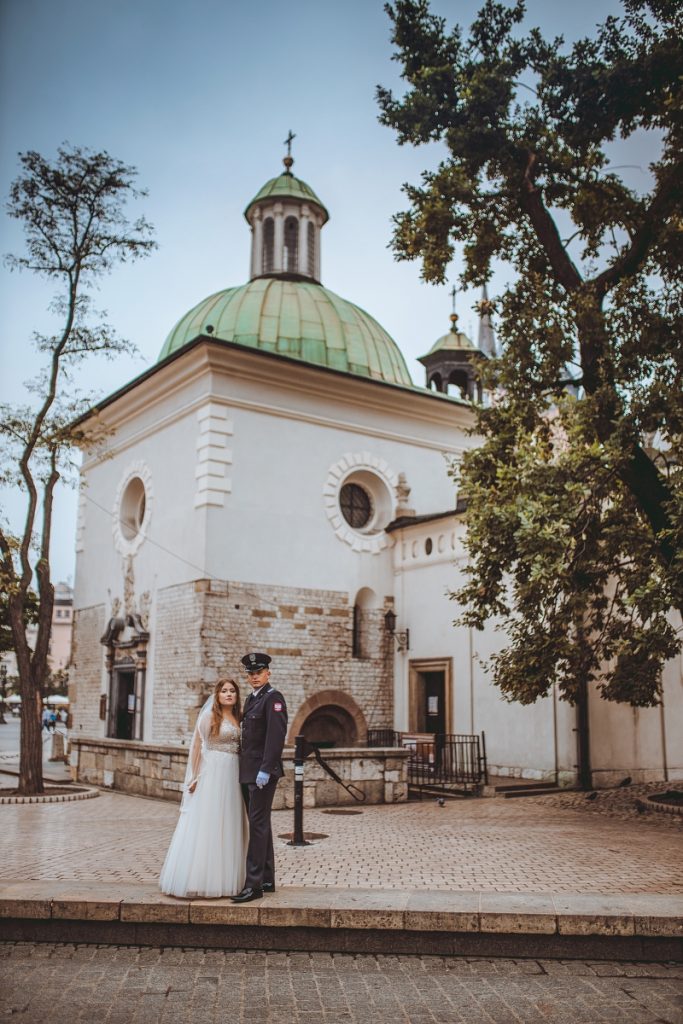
pixel 277 482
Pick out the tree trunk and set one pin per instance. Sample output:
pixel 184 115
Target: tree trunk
pixel 583 738
pixel 31 757
pixel 31 676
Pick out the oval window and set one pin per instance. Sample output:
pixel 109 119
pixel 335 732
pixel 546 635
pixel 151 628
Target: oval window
pixel 133 504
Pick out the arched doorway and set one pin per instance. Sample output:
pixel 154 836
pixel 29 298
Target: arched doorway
pixel 332 718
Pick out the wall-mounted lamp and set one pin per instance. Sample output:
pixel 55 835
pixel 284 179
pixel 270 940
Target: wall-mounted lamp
pixel 402 637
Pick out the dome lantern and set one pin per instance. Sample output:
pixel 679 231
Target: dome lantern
pixel 452 361
pixel 286 217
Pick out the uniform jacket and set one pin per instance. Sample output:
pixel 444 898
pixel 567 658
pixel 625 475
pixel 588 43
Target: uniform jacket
pixel 264 728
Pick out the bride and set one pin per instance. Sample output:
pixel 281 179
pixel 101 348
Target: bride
pixel 207 854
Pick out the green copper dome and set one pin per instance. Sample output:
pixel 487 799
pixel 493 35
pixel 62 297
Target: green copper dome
pixel 299 319
pixel 286 186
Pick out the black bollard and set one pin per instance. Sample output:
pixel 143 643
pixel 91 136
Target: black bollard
pixel 299 758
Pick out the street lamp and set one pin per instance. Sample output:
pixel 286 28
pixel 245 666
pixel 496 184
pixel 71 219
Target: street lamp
pixel 402 637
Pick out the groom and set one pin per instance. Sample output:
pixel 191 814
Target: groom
pixel 264 727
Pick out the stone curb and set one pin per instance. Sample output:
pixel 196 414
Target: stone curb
pixel 542 914
pixel 57 798
pixel 662 808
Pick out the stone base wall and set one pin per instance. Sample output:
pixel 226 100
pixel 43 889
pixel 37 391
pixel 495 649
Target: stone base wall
pixel 147 769
pixel 202 629
pixel 564 778
pixel 380 773
pixel 142 769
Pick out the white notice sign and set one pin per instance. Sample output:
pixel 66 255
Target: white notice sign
pixel 432 705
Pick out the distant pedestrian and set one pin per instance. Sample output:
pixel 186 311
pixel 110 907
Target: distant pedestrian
pixel 46 719
pixel 53 721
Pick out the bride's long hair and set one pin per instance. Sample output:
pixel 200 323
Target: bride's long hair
pixel 217 710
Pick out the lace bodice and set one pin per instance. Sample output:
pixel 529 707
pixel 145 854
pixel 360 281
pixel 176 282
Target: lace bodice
pixel 227 740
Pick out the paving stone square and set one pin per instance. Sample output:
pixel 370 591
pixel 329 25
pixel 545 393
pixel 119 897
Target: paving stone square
pixel 487 846
pixel 64 984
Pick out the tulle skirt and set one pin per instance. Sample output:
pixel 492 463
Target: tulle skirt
pixel 207 855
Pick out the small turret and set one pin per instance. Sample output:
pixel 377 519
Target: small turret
pixel 452 363
pixel 285 218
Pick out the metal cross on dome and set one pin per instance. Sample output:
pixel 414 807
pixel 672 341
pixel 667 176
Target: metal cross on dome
pixel 288 142
pixel 454 315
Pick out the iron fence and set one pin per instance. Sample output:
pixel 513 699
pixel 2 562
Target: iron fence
pixel 448 761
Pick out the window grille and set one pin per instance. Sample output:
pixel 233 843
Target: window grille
pixel 356 505
pixel 356 642
pixel 267 261
pixel 291 245
pixel 311 250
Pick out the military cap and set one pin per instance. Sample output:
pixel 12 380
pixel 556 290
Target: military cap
pixel 255 662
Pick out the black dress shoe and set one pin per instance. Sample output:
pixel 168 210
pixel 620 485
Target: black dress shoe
pixel 247 895
pixel 269 886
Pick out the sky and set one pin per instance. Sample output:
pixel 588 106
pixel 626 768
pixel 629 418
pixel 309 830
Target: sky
pixel 199 97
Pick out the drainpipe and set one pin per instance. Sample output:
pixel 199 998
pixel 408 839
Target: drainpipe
pixel 557 760
pixel 469 637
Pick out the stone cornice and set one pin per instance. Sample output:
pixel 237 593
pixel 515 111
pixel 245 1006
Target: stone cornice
pixel 205 358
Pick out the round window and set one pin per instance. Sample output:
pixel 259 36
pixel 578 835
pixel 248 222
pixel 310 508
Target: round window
pixel 356 505
pixel 133 503
pixel 428 546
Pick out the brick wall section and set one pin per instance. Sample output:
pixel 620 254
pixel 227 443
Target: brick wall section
pixel 204 628
pixel 148 769
pixel 85 672
pixel 181 680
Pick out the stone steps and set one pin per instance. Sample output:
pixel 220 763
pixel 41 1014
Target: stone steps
pixel 628 927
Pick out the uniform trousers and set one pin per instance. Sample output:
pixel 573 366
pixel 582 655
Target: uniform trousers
pixel 260 853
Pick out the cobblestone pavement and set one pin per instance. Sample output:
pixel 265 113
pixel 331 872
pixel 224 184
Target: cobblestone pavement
pixel 626 803
pixel 65 984
pixel 490 845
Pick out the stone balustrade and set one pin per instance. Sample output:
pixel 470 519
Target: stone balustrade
pixel 148 769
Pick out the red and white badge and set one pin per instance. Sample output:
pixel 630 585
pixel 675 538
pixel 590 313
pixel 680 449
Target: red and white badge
pixel 277 706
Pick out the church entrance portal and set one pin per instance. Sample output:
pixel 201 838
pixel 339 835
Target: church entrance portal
pixel 122 705
pixel 430 696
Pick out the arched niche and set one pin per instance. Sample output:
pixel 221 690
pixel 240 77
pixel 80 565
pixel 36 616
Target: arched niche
pixel 332 713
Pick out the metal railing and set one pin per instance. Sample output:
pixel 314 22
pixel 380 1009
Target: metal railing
pixel 449 761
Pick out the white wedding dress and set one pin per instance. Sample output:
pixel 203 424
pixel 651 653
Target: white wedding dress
pixel 207 855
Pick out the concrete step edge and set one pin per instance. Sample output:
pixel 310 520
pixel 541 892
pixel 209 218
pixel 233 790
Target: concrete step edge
pixel 386 910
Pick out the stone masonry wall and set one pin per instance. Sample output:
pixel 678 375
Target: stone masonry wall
pixel 204 628
pixel 181 680
pixel 143 769
pixel 147 769
pixel 85 672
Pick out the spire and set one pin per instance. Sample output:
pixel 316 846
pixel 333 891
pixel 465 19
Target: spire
pixel 486 340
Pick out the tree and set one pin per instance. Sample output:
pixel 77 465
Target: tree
pixel 575 521
pixel 72 213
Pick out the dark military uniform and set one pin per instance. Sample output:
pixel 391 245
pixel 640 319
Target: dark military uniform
pixel 264 728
